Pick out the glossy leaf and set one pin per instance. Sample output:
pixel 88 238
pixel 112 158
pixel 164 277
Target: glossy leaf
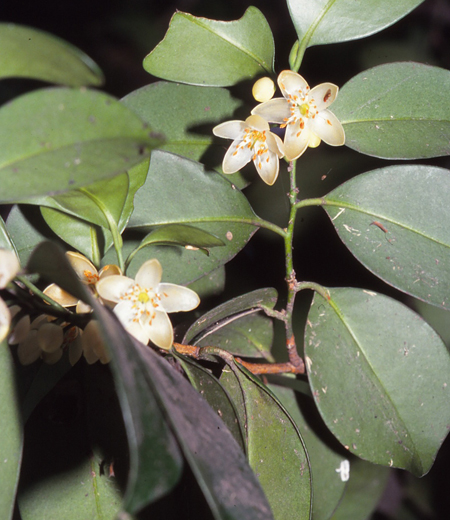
pixel 324 452
pixel 75 137
pixel 180 191
pixel 224 313
pixel 332 21
pixel 216 396
pixel 184 115
pixel 379 376
pixel 30 53
pixel 397 111
pixel 10 433
pixel 364 490
pixel 276 451
pixel 391 220
pixel 249 334
pixel 211 284
pixel 193 47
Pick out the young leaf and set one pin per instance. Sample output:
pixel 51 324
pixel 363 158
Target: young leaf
pixel 30 53
pixel 275 447
pixel 180 191
pixel 184 115
pixel 390 219
pixel 397 111
pixel 10 433
pixel 213 53
pixel 332 21
pixel 210 321
pixel 379 376
pixel 54 140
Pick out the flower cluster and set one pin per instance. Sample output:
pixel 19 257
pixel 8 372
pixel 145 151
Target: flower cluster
pixel 302 113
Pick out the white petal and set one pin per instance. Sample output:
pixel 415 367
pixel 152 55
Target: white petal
pixel 5 319
pixel 275 111
pixel 275 144
pixel 149 274
pixel 75 350
pixel 229 129
pixel 113 287
pixel 125 311
pixel 175 298
pixel 50 337
pixel 292 83
pixel 257 123
pixel 138 331
pixel 60 296
pixel 20 330
pixel 295 141
pixel 323 95
pixel 108 270
pixel 9 267
pixel 160 330
pixel 84 268
pixel 267 167
pixel 328 127
pixel 236 158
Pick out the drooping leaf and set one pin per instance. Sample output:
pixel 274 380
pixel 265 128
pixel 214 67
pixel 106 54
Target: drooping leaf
pixel 54 140
pixel 10 434
pixel 394 221
pixel 397 111
pixel 180 191
pixel 213 319
pixel 184 115
pixel 364 490
pixel 275 447
pixel 207 52
pixel 31 53
pixel 379 376
pixel 327 461
pixel 332 21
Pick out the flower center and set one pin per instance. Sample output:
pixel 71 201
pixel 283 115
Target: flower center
pixel 144 301
pixel 91 278
pixel 143 297
pixel 255 140
pixel 302 108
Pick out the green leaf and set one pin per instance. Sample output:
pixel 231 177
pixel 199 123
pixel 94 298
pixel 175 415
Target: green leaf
pixel 379 376
pixel 10 434
pixel 332 21
pixel 213 53
pixel 324 452
pixel 188 236
pixel 276 451
pixel 391 219
pixel 363 492
pixel 5 238
pixel 179 191
pixel 224 313
pixel 30 53
pixel 54 140
pixel 397 111
pixel 211 284
pixel 184 114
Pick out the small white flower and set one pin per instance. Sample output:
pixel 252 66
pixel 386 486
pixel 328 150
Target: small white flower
pixel 143 303
pixel 252 141
pixel 303 112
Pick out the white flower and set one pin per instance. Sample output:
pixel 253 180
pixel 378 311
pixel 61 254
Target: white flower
pixel 252 140
pixel 87 273
pixel 143 303
pixel 304 114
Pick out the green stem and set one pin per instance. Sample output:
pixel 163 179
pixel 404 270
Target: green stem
pixel 117 238
pixel 29 285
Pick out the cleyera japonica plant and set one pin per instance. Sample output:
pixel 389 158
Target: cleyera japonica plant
pixel 137 381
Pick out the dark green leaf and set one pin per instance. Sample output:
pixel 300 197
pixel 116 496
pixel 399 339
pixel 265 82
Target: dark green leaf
pixel 184 114
pixel 180 191
pixel 332 21
pixel 10 434
pixel 393 220
pixel 207 52
pixel 379 376
pixel 30 53
pixel 276 451
pixel 211 284
pixel 364 490
pixel 397 111
pixel 324 452
pixel 219 316
pixel 54 140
